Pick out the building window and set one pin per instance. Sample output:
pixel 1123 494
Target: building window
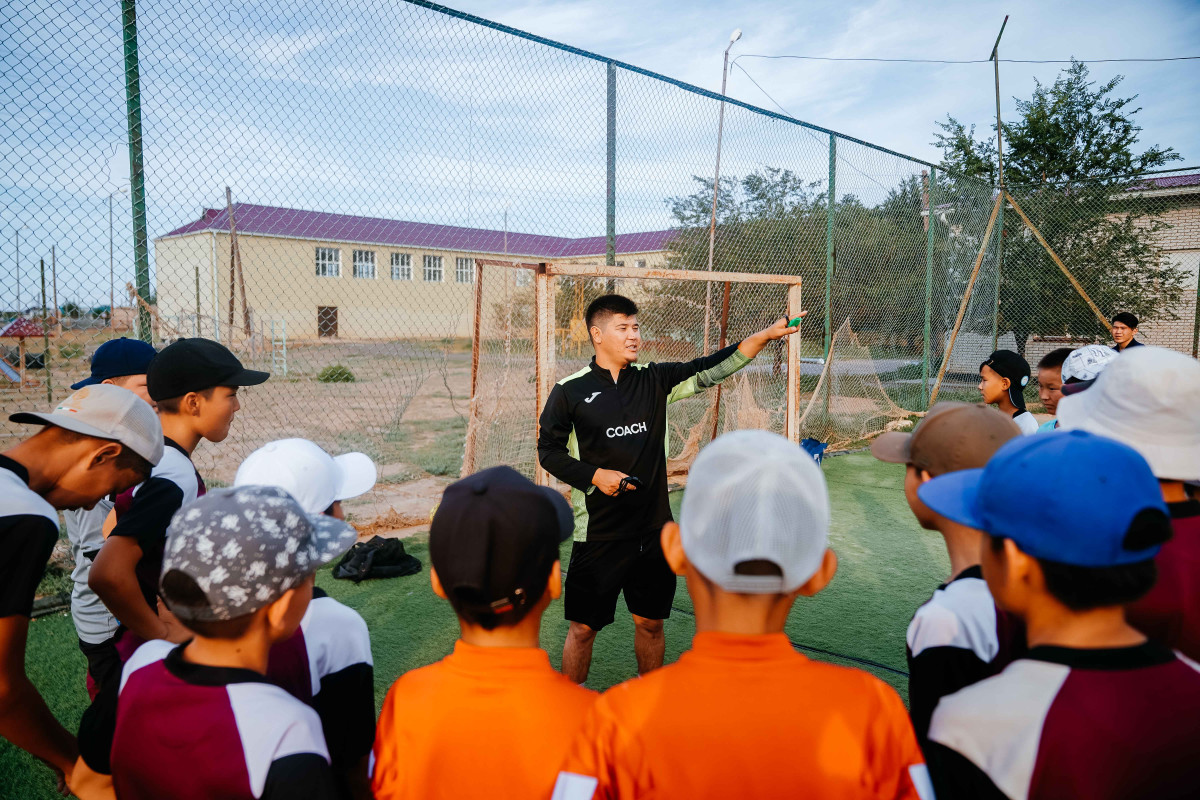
pixel 620 263
pixel 329 262
pixel 464 270
pixel 432 272
pixel 401 267
pixel 364 264
pixel 641 263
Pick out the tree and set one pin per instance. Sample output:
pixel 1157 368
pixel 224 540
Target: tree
pixel 1068 161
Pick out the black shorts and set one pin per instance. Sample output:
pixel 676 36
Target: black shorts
pixel 599 571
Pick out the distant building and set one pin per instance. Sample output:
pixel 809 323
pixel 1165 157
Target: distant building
pixel 335 275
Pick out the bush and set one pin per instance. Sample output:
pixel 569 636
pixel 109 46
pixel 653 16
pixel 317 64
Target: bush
pixel 336 373
pixel 70 350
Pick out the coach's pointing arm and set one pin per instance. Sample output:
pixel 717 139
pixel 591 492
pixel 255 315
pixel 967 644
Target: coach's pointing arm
pixel 710 370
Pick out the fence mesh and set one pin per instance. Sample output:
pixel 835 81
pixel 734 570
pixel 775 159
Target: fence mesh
pixel 374 151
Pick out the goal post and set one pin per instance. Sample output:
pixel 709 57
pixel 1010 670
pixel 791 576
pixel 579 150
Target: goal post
pixel 528 332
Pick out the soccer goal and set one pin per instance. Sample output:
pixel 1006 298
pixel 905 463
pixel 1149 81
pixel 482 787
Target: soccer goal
pixel 529 332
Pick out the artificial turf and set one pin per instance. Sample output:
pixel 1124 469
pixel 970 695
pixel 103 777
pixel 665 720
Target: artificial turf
pixel 887 567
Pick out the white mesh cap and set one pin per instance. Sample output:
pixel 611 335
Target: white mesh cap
pixel 106 412
pixel 306 472
pixel 753 495
pixel 1087 362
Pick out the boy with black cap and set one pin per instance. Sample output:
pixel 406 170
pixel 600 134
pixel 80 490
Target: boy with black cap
pixel 100 440
pixel 119 362
pixel 201 720
pixel 493 719
pixel 1003 378
pixel 1093 709
pixel 195 384
pixel 742 714
pixel 958 637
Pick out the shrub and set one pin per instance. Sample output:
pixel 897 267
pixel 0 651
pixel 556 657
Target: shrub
pixel 70 350
pixel 336 373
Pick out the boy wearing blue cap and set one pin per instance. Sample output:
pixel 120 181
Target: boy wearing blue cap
pixel 1094 709
pixel 120 362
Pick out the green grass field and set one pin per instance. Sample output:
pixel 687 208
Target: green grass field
pixel 888 566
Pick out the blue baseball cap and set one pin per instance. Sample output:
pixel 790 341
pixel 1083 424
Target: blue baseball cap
pixel 117 358
pixel 1099 505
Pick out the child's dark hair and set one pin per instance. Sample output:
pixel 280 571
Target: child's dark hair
pixel 1085 588
pixel 467 606
pixel 170 405
pixel 184 597
pixel 1055 358
pixel 1126 318
pixel 604 307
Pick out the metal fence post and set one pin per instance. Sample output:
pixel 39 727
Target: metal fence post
pixel 1196 320
pixel 829 211
pixel 999 270
pixel 927 347
pixel 610 255
pixel 133 102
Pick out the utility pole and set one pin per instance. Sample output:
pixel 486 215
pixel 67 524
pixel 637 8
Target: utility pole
pixel 712 227
pixel 133 106
pixel 995 59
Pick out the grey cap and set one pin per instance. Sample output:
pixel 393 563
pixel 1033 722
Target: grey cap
pixel 105 412
pixel 245 547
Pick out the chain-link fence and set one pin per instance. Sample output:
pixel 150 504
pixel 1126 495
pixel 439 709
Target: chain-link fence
pixel 373 151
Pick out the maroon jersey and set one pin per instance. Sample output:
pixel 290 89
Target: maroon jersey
pixel 1103 724
pixel 191 732
pixel 1170 612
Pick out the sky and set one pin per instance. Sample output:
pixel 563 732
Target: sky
pixel 380 108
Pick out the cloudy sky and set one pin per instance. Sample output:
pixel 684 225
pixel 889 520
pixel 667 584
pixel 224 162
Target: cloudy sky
pixel 891 104
pixel 380 108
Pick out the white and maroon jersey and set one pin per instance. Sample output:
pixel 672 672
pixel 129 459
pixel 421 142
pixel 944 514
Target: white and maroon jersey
pixel 28 531
pixel 193 732
pixel 327 664
pixel 957 638
pixel 1059 723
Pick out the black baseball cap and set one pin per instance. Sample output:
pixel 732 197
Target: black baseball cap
pixel 1008 364
pixel 193 365
pixel 493 540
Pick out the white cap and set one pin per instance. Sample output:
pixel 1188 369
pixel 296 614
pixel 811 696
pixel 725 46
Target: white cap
pixel 753 495
pixel 1149 399
pixel 1087 362
pixel 306 472
pixel 106 412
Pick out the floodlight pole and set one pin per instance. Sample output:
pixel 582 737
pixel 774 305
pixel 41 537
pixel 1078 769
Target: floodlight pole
pixel 995 59
pixel 712 226
pixel 133 106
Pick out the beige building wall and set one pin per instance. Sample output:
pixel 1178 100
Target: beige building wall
pixel 282 284
pixel 1181 246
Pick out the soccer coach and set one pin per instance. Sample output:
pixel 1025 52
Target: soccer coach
pixel 602 427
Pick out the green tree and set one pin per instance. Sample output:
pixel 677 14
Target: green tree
pixel 1068 161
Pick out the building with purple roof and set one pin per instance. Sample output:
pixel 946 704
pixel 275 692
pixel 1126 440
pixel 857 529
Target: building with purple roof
pixel 336 275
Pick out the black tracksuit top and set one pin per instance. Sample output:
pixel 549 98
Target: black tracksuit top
pixel 591 423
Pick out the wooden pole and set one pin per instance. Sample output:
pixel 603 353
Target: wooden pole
pixel 542 374
pixel 21 356
pixel 46 338
pixel 962 308
pixel 468 466
pixel 1054 257
pixel 232 259
pixel 792 420
pixel 54 285
pixel 721 346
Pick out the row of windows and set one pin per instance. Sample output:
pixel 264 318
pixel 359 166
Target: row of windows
pixel 329 265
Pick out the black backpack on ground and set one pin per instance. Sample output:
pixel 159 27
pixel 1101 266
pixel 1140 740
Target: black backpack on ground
pixel 376 558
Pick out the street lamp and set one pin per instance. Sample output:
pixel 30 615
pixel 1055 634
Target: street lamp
pixel 712 228
pixel 112 309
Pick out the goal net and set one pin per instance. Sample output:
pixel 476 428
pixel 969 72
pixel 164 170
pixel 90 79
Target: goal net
pixel 530 333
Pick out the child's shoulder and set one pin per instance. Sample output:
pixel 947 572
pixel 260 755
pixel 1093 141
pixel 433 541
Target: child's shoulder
pixel 17 499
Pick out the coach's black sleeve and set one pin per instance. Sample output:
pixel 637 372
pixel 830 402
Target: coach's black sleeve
pixel 155 502
pixel 28 542
pixel 554 436
pixel 935 673
pixel 710 370
pixel 955 776
pixel 303 775
pixel 346 705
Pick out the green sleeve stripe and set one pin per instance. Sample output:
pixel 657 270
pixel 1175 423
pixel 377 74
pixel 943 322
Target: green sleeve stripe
pixel 714 375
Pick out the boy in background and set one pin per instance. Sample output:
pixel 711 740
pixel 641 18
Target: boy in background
pixel 1049 380
pixel 194 383
pixel 98 441
pixel 1093 709
pixel 958 637
pixel 1003 378
pixel 201 720
pixel 493 719
pixel 327 662
pixel 1124 328
pixel 1149 399
pixel 119 362
pixel 742 714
